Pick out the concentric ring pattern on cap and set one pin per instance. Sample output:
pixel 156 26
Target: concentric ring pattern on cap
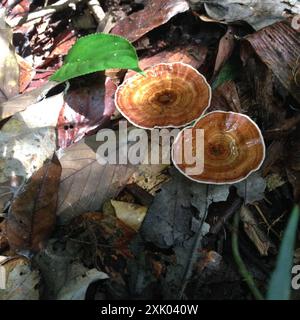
pixel 233 148
pixel 168 95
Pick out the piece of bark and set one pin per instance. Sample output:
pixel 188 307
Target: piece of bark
pixel 278 46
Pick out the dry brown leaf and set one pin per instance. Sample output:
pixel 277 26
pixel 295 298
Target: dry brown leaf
pixel 32 215
pixel 194 55
pixel 137 24
pixel 27 73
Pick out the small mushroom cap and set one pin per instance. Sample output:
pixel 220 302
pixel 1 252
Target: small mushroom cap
pixel 168 95
pixel 233 148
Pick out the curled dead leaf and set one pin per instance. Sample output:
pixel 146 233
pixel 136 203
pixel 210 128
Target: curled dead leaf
pixel 225 49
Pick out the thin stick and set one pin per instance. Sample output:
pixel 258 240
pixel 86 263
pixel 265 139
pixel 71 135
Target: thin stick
pixel 97 10
pixel 240 263
pixel 266 221
pixel 236 204
pixel 194 251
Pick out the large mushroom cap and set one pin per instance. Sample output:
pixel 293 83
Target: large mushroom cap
pixel 168 95
pixel 233 148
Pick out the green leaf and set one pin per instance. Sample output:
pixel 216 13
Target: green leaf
pixel 280 284
pixel 97 52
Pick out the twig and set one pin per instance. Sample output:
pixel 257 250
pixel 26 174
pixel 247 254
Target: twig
pixel 240 263
pixel 194 251
pixel 56 7
pixel 97 10
pixel 266 221
pixel 236 204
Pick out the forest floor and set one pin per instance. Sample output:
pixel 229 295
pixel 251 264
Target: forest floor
pixel 73 228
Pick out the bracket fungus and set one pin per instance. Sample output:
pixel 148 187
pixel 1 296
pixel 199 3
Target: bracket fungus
pixel 167 95
pixel 232 148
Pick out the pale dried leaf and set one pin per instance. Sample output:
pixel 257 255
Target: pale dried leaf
pixel 85 183
pixel 26 141
pixel 225 49
pixel 21 281
pixel 21 102
pixel 78 281
pixel 129 213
